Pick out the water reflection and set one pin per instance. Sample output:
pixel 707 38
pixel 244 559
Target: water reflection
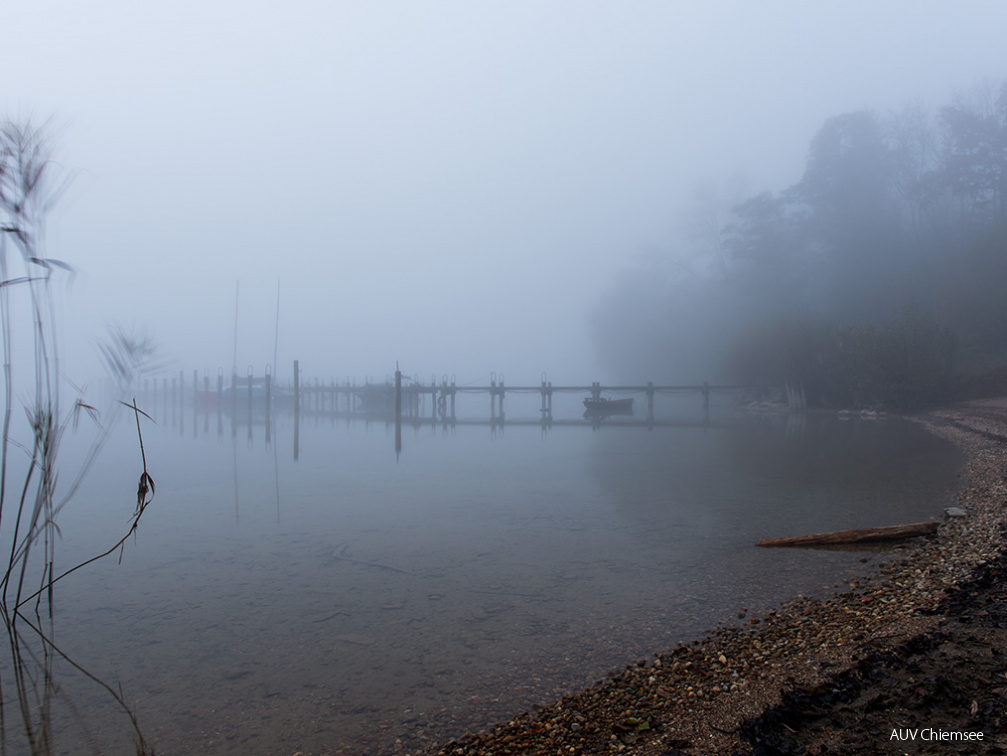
pixel 50 701
pixel 346 600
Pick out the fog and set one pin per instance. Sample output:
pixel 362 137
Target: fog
pixel 453 186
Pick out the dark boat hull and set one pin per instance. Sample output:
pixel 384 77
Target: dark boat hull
pixel 608 406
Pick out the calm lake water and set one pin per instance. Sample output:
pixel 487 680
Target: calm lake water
pixel 355 602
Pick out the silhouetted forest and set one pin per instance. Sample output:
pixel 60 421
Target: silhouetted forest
pixel 877 280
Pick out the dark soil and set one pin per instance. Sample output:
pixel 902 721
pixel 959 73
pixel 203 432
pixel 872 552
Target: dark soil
pixel 953 679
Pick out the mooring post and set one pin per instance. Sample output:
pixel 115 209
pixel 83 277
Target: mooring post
pixel 398 391
pixel 269 388
pixel 546 401
pixel 206 408
pixel 220 402
pixel 269 421
pixel 181 402
pixel 268 378
pixel 398 411
pixel 297 410
pixel 195 402
pixel 249 404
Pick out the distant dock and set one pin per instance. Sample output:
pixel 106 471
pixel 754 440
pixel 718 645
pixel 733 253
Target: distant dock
pixel 404 398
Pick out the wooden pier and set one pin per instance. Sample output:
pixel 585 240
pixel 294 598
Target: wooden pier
pixel 402 397
pixel 249 401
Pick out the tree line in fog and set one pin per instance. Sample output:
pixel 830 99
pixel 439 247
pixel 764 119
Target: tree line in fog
pixel 877 279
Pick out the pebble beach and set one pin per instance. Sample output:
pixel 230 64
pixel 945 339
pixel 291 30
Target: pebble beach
pixel 900 661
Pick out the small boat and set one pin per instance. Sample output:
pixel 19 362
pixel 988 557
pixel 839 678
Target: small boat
pixel 602 406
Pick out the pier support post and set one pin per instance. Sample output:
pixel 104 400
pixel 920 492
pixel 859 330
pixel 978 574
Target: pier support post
pixel 220 402
pixel 398 411
pixel 269 391
pixel 297 410
pixel 195 402
pixel 268 381
pixel 442 401
pixel 546 409
pixel 181 402
pixel 249 405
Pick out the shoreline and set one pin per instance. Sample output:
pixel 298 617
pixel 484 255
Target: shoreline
pixel 728 692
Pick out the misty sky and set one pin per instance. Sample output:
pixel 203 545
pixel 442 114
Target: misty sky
pixel 447 184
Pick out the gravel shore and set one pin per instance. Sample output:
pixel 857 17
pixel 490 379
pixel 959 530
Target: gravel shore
pixel 910 661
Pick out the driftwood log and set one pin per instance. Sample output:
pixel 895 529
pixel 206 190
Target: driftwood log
pixel 865 535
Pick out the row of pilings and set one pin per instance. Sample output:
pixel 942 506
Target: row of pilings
pixel 393 398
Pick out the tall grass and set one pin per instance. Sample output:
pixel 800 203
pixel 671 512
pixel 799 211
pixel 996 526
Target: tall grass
pixel 30 505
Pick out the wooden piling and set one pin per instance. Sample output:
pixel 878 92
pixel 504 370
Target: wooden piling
pixel 864 535
pixel 269 389
pixel 398 410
